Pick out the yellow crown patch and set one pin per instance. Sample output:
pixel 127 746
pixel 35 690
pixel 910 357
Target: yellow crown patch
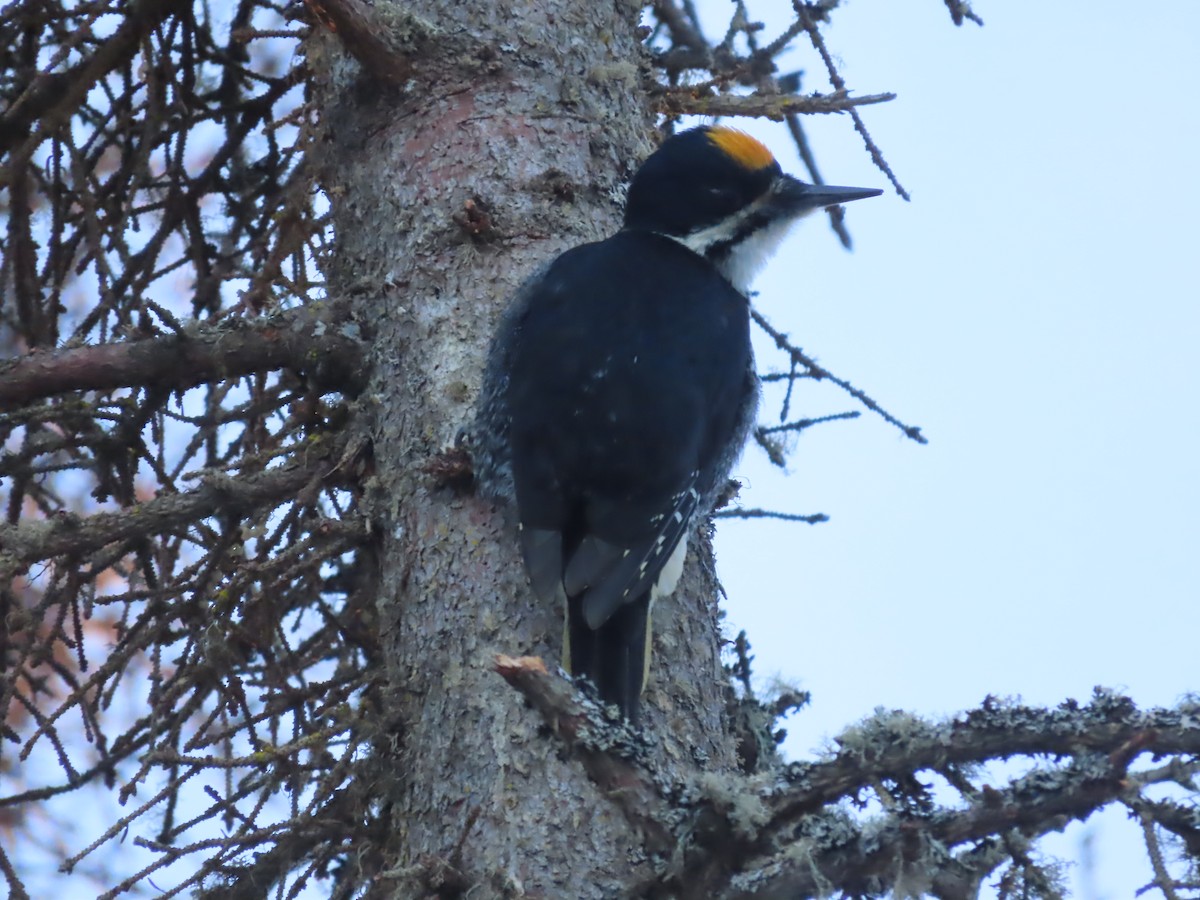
pixel 741 148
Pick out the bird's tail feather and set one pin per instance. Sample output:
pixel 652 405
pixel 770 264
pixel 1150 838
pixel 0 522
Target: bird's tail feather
pixel 612 657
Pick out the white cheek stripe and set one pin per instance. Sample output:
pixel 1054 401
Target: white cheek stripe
pixel 745 258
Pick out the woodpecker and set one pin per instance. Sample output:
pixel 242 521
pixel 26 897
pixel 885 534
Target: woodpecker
pixel 620 389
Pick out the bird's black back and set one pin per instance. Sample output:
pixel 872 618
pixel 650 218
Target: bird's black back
pixel 621 392
pixel 629 376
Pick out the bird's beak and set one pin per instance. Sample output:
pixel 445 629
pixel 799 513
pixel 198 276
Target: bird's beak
pixel 797 198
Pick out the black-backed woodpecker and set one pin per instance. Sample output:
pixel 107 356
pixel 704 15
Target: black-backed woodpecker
pixel 620 388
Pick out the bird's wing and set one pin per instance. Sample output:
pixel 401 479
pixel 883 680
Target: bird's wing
pixel 609 575
pixel 543 552
pixel 621 401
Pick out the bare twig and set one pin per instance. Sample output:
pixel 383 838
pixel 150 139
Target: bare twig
pixel 839 84
pixel 1162 878
pixel 52 97
pixel 814 370
pixel 960 10
pixel 16 888
pixel 740 513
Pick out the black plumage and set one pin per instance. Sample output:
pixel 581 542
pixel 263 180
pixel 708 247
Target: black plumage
pixel 625 408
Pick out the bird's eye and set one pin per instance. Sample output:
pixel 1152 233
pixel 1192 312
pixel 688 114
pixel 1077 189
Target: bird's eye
pixel 724 198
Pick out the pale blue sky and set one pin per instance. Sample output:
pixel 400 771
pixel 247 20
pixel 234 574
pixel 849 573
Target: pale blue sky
pixel 1035 311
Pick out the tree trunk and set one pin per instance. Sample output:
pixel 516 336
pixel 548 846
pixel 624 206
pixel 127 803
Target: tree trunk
pixel 520 125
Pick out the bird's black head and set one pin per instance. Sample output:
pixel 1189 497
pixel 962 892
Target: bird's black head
pixel 720 192
pixel 698 178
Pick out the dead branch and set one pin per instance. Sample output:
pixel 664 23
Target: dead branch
pixel 1100 741
pixel 380 36
pixel 891 745
pixel 893 850
pixel 796 840
pixel 305 339
pixel 686 102
pixel 604 745
pixel 21 545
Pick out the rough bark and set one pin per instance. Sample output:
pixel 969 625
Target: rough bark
pixel 526 120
